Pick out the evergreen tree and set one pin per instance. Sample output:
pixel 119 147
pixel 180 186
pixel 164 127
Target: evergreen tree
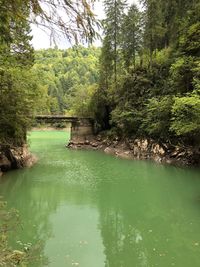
pixel 17 86
pixel 160 97
pixel 131 36
pixel 153 27
pixel 114 11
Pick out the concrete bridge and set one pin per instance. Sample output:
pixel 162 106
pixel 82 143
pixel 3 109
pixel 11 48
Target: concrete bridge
pixel 80 128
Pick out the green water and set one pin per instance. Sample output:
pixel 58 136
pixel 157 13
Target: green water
pixel 89 209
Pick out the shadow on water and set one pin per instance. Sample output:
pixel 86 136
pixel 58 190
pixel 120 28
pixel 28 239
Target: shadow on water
pixel 91 209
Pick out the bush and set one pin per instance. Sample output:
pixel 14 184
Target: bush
pixel 157 115
pixel 186 115
pixel 127 121
pixel 18 95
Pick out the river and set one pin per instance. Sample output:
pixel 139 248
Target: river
pixel 89 209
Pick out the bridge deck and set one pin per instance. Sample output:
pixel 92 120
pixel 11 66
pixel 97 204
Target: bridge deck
pixel 61 117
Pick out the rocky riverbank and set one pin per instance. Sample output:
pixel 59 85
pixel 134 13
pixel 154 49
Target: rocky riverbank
pixel 141 149
pixel 15 158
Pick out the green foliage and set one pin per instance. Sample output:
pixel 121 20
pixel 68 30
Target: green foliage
pixel 130 102
pixel 157 116
pixel 18 98
pixel 156 91
pixel 67 78
pixel 131 36
pixel 127 121
pixel 189 42
pixel 112 43
pixel 186 115
pixel 183 72
pixel 18 89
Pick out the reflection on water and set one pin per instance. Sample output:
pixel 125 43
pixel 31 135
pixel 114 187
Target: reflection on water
pixel 93 210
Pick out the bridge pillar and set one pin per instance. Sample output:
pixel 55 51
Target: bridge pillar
pixel 81 130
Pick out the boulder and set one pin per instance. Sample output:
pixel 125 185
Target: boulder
pixel 158 150
pixel 5 163
pixel 87 142
pixel 109 150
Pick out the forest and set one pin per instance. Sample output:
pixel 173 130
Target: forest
pixel 143 81
pixel 150 70
pixel 67 79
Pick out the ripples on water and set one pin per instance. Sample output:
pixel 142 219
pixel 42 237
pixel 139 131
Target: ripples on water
pixel 89 209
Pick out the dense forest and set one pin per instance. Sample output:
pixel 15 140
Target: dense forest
pixel 144 81
pixel 67 78
pixel 150 69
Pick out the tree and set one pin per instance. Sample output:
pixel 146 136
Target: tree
pixel 74 19
pixel 153 27
pixel 131 36
pixel 18 86
pixel 153 98
pixel 157 119
pixel 186 116
pixel 114 11
pixel 67 75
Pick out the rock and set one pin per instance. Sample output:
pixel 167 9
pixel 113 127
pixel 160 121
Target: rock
pixel 157 159
pixel 16 158
pixel 115 143
pixel 109 150
pixel 87 142
pixel 124 154
pixel 175 152
pixel 80 143
pixel 94 144
pixel 181 154
pixel 141 149
pixel 142 144
pixel 157 149
pixel 104 142
pixel 5 163
pixel 99 139
pixel 169 161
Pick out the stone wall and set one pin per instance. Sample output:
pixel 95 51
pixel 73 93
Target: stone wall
pixel 81 130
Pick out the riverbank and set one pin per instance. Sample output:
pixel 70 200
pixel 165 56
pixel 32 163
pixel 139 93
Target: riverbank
pixel 15 158
pixel 141 149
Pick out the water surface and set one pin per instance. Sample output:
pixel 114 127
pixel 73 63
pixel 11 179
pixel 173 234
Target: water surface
pixel 89 209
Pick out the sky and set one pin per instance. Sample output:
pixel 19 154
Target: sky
pixel 41 38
